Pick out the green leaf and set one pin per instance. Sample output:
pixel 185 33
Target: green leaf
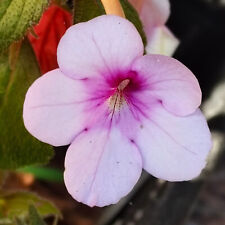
pixel 132 15
pixel 16 16
pixel 85 10
pixel 34 217
pixel 16 205
pixel 44 173
pixel 17 147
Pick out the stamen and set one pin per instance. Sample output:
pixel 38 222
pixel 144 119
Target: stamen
pixel 123 84
pixel 117 99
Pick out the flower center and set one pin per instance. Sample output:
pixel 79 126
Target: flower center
pixel 118 99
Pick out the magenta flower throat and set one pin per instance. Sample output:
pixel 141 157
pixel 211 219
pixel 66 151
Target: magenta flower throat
pixel 120 112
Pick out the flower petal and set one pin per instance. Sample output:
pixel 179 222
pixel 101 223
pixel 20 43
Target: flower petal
pixel 161 41
pixel 159 10
pixel 171 82
pixel 101 167
pixel 51 110
pixel 102 46
pixel 174 148
pixel 152 12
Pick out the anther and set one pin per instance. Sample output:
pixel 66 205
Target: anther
pixel 123 84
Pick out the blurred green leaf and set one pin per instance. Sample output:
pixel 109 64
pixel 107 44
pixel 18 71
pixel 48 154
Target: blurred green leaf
pixel 20 222
pixel 44 173
pixel 17 147
pixel 16 205
pixel 5 221
pixel 86 10
pixel 34 217
pixel 132 15
pixel 16 16
pixel 4 75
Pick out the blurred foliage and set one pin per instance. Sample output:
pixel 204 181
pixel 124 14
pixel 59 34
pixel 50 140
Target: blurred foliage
pixel 86 10
pixel 34 216
pixel 16 16
pixel 4 75
pixel 18 70
pixel 43 173
pixel 25 206
pixel 18 148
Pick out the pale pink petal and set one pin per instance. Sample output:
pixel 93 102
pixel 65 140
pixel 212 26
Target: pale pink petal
pixel 153 13
pixel 161 41
pixel 174 148
pixel 171 82
pixel 137 4
pixel 103 46
pixel 52 112
pixel 101 167
pixel 161 8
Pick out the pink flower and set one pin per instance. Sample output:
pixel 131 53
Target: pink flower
pixel 154 14
pixel 120 111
